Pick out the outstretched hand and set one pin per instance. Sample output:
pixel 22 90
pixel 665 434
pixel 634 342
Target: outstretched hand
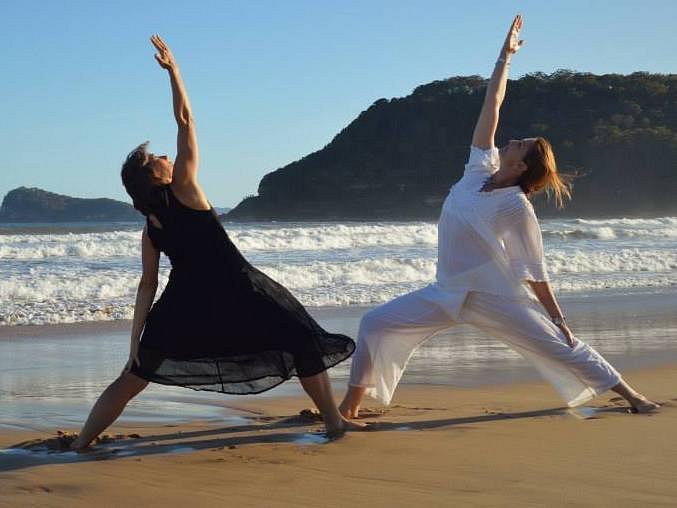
pixel 164 55
pixel 513 43
pixel 571 339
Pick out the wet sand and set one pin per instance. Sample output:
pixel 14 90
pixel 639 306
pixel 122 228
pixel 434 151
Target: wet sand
pixel 51 375
pixel 471 425
pixel 435 446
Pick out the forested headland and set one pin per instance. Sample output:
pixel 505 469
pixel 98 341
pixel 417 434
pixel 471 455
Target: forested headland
pixel 30 204
pixel 398 158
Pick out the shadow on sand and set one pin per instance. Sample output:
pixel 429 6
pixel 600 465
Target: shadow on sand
pixel 35 453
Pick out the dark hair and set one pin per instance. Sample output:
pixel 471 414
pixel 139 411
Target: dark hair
pixel 542 174
pixel 147 196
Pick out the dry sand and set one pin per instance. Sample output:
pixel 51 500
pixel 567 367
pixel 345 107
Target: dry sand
pixel 436 446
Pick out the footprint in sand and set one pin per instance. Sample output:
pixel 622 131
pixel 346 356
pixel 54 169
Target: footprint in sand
pixel 61 443
pixel 313 415
pixel 416 408
pixel 371 413
pixel 310 415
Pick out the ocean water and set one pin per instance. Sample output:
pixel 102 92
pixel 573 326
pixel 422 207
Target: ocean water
pixel 65 273
pixel 50 376
pixel 617 279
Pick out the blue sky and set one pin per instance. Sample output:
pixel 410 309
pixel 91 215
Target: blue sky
pixel 270 81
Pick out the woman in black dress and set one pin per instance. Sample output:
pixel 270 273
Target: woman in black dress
pixel 220 324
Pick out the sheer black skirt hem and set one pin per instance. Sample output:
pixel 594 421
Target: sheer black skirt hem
pixel 225 374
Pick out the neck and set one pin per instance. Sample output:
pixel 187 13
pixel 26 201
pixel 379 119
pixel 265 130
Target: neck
pixel 504 178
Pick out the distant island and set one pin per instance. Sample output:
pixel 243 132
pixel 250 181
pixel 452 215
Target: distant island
pixel 398 158
pixel 29 204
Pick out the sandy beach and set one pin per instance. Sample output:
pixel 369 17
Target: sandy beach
pixel 435 446
pixel 302 177
pixel 472 424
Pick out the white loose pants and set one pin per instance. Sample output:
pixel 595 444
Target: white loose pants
pixel 390 333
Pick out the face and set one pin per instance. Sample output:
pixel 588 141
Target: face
pixel 162 169
pixel 512 155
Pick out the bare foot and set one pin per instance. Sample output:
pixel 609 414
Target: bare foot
pixel 78 446
pixel 75 446
pixel 642 405
pixel 338 429
pixel 349 412
pixel 354 426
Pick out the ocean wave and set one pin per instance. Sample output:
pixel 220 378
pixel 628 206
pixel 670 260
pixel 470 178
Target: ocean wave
pixel 90 276
pixel 47 296
pixel 375 295
pixel 334 236
pixel 600 233
pixel 319 238
pixel 631 223
pixel 561 261
pixel 84 245
pixel 59 295
pixel 611 229
pixel 53 311
pixel 586 284
pixel 609 233
pixel 368 272
pixel 248 239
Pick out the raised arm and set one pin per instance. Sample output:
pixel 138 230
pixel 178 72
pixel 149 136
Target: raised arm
pixel 187 155
pixel 487 123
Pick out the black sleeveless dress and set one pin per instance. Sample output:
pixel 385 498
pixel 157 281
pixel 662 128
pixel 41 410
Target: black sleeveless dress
pixel 221 324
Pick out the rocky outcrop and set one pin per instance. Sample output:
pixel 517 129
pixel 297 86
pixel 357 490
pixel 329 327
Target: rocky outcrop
pixel 36 205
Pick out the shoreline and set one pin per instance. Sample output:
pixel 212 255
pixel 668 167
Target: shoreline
pixel 471 424
pixel 51 375
pixel 657 298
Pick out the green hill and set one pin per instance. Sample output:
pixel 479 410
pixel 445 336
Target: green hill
pixel 398 158
pixel 36 205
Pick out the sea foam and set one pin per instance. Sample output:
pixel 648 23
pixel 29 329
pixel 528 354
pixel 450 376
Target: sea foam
pixel 62 277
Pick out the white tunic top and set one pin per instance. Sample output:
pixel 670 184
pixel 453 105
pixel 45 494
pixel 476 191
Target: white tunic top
pixel 487 241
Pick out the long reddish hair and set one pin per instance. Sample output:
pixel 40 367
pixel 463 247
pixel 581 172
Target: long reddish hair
pixel 542 174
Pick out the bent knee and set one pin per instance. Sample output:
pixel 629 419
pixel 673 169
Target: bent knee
pixel 370 325
pixel 132 383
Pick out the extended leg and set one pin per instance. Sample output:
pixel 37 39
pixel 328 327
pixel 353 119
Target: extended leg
pixel 318 389
pixel 577 373
pixel 638 401
pixel 350 406
pixel 388 336
pixel 109 406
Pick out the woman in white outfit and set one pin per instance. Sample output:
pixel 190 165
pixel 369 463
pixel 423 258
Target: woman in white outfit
pixel 490 267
